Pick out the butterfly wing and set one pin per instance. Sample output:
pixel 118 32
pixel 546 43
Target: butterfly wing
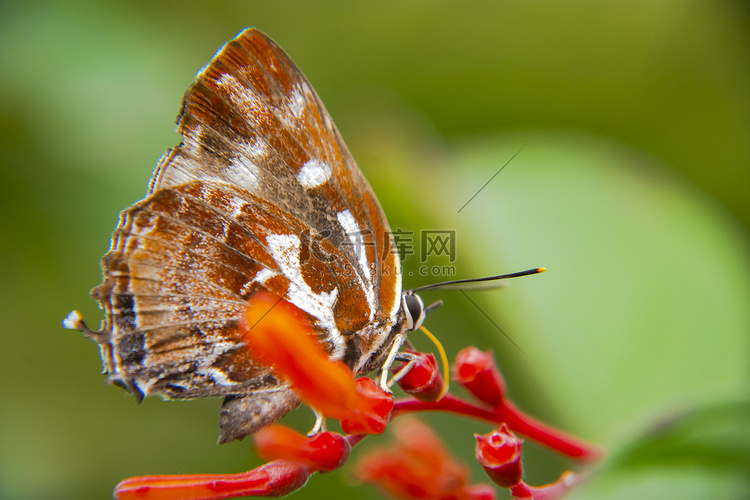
pixel 262 193
pixel 253 121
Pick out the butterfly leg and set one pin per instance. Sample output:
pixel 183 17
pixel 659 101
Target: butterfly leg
pixel 320 423
pixel 410 359
pixel 398 340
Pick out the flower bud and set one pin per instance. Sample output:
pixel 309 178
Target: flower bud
pixel 423 380
pixel 499 452
pixel 476 371
pixel 329 450
pixel 325 451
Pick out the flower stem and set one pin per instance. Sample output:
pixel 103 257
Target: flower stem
pixel 508 413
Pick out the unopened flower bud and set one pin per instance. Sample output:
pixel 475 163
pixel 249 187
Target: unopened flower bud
pixel 329 450
pixel 499 452
pixel 423 380
pixel 476 371
pixel 325 451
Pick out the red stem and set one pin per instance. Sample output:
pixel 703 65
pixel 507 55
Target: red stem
pixel 506 412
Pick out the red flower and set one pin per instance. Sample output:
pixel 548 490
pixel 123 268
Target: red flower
pixel 279 336
pixel 372 410
pixel 423 380
pixel 476 371
pixel 553 491
pixel 325 451
pixel 274 479
pixel 499 452
pixel 418 466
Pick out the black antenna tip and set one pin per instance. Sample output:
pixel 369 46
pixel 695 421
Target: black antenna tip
pixel 482 282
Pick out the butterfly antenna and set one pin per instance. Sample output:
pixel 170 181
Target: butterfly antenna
pixel 489 279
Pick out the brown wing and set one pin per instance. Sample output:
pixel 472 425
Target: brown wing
pixel 252 120
pixel 261 194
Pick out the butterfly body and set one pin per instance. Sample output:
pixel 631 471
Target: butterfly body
pixel 261 194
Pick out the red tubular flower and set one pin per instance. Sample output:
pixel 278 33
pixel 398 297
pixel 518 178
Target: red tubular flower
pixel 423 380
pixel 373 410
pixel 418 466
pixel 480 492
pixel 279 336
pixel 325 451
pixel 476 371
pixel 499 452
pixel 274 479
pixel 553 491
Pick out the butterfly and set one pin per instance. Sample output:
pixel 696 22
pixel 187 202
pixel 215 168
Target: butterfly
pixel 262 194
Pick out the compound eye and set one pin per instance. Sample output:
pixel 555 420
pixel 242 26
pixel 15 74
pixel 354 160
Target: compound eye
pixel 414 308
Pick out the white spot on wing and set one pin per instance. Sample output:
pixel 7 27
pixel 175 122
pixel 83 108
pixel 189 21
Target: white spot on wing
pixel 285 249
pixel 314 173
pixel 292 109
pixel 397 273
pixel 145 385
pixel 247 101
pixel 262 275
pixel 257 151
pixel 297 104
pixel 191 140
pixel 397 302
pixel 356 239
pixel 245 173
pixel 219 377
pixel 236 206
pixel 242 171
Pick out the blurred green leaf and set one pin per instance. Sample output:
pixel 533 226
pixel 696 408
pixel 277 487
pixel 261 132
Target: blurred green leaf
pixel 714 438
pixel 699 453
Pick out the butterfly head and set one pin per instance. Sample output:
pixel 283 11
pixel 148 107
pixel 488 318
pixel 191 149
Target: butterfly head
pixel 414 310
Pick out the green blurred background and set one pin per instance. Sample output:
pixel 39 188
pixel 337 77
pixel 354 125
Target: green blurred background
pixel 631 187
